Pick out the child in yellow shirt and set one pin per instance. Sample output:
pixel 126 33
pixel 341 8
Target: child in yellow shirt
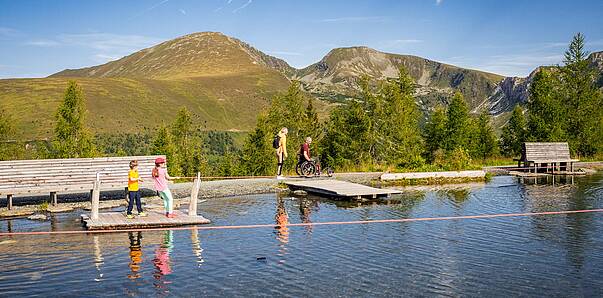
pixel 133 190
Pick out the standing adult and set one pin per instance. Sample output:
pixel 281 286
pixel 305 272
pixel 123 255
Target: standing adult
pixel 281 151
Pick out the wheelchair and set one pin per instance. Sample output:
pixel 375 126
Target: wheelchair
pixel 310 168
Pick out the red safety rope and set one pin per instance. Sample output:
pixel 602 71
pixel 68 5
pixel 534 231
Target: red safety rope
pixel 307 224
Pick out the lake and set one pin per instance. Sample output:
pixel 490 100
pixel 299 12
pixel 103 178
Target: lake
pixel 544 255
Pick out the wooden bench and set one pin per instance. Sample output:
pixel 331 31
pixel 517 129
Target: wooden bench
pixel 31 177
pixel 551 156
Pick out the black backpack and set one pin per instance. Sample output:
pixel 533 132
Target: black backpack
pixel 276 141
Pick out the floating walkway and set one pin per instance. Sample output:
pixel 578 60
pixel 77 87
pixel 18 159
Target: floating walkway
pixel 118 221
pixel 341 189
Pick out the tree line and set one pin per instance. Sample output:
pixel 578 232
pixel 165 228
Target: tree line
pixel 383 129
pixel 565 105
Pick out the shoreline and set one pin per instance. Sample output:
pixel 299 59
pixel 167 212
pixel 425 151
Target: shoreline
pixel 39 207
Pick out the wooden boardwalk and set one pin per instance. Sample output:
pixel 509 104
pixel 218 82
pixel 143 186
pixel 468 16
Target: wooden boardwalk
pixel 118 220
pixel 340 189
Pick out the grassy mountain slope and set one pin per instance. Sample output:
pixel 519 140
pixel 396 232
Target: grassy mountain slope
pixel 128 105
pixel 221 80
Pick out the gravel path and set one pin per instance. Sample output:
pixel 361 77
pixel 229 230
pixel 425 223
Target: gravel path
pixel 28 205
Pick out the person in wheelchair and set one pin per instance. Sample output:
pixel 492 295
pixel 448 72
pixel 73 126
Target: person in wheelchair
pixel 306 165
pixel 304 151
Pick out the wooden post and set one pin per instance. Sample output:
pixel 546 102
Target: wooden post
pixel 53 198
pixel 192 206
pixel 9 202
pixel 95 198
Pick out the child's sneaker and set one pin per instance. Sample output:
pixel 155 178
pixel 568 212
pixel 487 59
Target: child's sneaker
pixel 142 214
pixel 129 216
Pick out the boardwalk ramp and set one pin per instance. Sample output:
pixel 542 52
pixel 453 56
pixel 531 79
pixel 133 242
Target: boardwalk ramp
pixel 340 189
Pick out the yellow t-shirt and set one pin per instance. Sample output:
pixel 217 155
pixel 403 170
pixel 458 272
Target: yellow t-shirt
pixel 132 185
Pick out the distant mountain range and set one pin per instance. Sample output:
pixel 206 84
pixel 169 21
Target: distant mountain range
pixel 226 82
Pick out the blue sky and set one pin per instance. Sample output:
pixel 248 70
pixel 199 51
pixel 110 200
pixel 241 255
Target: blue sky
pixel 38 38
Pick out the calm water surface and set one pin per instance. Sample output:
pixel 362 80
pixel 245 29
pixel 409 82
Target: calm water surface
pixel 560 255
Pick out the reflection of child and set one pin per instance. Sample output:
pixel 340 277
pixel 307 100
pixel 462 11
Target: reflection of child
pixel 282 220
pixel 133 190
pixel 161 177
pixel 135 255
pixel 162 256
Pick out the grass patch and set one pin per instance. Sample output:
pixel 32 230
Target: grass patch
pixel 43 207
pixel 429 181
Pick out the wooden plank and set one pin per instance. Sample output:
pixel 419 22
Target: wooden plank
pixel 336 188
pixel 117 220
pixel 81 160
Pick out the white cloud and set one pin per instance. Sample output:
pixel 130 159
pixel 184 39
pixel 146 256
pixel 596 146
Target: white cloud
pixel 8 32
pixel 353 19
pixel 44 43
pixel 284 53
pixel 108 41
pixel 149 9
pixel 398 41
pixel 438 2
pixel 507 65
pixel 242 6
pixel 182 11
pixel 106 45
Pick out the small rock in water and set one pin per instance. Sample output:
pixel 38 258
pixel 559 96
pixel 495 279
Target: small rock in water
pixel 37 217
pixel 300 193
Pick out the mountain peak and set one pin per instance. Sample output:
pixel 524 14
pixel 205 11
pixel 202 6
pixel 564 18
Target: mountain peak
pixel 193 55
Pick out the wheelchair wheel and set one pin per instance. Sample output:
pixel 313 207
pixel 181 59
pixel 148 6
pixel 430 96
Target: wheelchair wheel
pixel 307 169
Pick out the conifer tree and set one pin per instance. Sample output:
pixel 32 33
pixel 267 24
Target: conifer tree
pixel 514 133
pixel 71 136
pixel 457 123
pixel 547 116
pixel 435 132
pixel 400 129
pixel 582 98
pixel 163 143
pixel 187 143
pixel 258 157
pixel 286 110
pixel 346 134
pixel 486 143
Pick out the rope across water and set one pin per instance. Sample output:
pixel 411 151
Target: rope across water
pixel 256 226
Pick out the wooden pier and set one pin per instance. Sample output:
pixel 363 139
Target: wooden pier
pixel 154 219
pixel 118 220
pixel 340 189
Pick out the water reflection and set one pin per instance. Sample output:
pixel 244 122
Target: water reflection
pixel 306 207
pixel 282 220
pixel 559 255
pixel 98 257
pixel 196 245
pixel 135 254
pixel 162 261
pixel 545 194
